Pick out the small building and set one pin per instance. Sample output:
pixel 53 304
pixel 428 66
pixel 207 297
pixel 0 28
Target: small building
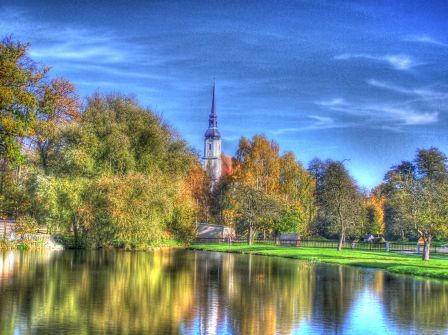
pixel 370 238
pixel 290 239
pixel 211 231
pixel 421 241
pixel 7 227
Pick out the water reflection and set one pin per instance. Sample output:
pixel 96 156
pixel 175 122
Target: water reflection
pixel 185 292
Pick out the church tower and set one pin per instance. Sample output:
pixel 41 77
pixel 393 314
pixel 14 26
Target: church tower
pixel 212 145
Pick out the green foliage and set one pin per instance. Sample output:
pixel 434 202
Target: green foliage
pixel 341 203
pixel 20 82
pixel 291 221
pixel 254 209
pixel 26 225
pixel 417 201
pixel 132 210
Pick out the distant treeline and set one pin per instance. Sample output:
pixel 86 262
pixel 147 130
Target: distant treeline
pixel 109 171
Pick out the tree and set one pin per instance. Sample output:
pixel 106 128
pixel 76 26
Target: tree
pixel 33 111
pixel 396 180
pixel 58 105
pixel 199 186
pixel 20 85
pixel 341 201
pixel 254 209
pixel 418 196
pixel 297 188
pixel 260 166
pixel 118 174
pixel 375 213
pixel 258 162
pixel 431 163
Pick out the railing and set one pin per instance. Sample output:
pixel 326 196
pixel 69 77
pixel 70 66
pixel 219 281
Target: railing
pixel 411 247
pixel 8 227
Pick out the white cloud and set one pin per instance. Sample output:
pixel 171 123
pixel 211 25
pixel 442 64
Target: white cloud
pixel 424 93
pixel 408 116
pixel 426 39
pixel 398 61
pixel 72 52
pixel 332 102
pixel 318 123
pixel 379 115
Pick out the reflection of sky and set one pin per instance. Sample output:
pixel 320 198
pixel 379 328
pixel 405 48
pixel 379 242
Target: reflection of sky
pixel 368 316
pixel 365 80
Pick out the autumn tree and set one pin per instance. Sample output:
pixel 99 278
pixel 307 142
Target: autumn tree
pixel 58 105
pixel 199 184
pixel 33 109
pixel 374 204
pixel 258 164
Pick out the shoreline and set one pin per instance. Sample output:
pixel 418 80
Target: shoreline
pixel 391 262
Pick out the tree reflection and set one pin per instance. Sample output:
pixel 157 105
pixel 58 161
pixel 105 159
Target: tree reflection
pixel 179 291
pixel 87 292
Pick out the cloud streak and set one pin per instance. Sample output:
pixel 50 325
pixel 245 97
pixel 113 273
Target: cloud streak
pixel 375 115
pixel 424 93
pixel 314 122
pixel 397 61
pixel 426 39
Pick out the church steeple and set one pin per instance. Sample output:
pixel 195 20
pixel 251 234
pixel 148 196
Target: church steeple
pixel 213 118
pixel 212 131
pixel 212 144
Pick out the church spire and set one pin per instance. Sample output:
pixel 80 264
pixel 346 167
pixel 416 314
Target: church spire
pixel 213 118
pixel 212 131
pixel 212 144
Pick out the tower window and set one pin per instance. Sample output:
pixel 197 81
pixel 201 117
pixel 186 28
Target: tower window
pixel 209 146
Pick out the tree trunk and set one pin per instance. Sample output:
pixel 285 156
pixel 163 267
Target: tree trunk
pixel 426 248
pixel 75 228
pixel 341 240
pixel 249 235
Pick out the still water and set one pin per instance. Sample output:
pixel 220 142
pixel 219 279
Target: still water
pixel 187 292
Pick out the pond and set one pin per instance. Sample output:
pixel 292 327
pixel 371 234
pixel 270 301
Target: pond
pixel 178 291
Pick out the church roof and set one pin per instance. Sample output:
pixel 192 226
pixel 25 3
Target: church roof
pixel 213 133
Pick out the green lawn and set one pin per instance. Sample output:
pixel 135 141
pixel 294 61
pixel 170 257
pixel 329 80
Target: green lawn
pixel 392 262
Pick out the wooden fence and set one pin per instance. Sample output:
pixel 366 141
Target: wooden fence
pixel 8 227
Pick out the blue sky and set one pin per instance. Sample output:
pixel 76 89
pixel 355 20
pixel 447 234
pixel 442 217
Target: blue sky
pixel 364 80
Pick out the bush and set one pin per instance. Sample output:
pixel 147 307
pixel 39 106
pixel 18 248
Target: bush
pixel 26 225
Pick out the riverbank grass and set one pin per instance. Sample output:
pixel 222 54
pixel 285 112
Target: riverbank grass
pixel 392 262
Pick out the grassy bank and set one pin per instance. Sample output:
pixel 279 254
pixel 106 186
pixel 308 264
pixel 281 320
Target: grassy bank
pixel 69 242
pixel 21 245
pixel 392 262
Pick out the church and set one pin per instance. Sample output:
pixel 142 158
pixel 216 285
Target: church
pixel 214 162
